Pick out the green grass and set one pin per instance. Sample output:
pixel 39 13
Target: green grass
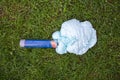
pixel 38 19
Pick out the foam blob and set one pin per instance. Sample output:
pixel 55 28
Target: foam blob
pixel 75 37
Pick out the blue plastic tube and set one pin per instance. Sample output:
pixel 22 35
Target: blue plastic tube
pixel 37 43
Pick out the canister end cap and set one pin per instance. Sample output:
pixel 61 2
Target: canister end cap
pixel 22 43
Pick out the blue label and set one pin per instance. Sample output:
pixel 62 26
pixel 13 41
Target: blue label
pixel 38 44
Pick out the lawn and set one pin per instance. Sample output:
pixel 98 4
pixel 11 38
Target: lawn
pixel 38 19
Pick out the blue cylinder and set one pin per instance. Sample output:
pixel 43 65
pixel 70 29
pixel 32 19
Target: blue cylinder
pixel 37 43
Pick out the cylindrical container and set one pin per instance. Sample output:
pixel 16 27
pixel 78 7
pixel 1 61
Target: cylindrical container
pixel 38 43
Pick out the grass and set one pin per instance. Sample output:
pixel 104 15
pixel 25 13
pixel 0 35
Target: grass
pixel 38 19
